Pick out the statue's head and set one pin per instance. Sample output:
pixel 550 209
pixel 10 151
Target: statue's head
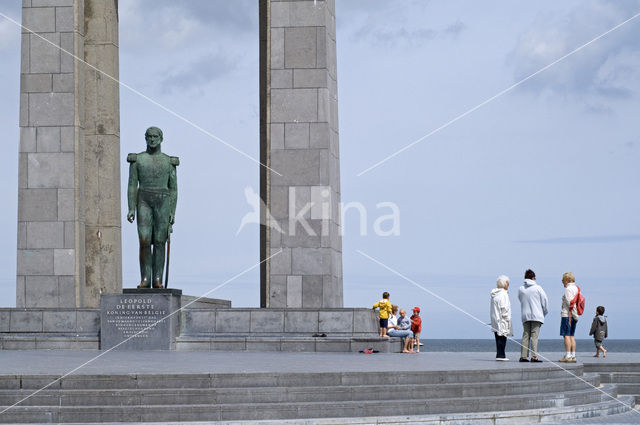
pixel 153 136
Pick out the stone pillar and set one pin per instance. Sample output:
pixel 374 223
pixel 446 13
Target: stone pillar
pixel 103 259
pixel 52 168
pixel 299 140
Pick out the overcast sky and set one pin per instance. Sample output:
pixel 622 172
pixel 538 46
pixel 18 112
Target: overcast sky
pixel 544 176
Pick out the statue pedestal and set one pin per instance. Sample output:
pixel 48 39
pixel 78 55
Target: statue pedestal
pixel 140 319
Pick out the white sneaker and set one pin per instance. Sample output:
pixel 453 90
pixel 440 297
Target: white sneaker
pixel 571 360
pixel 501 359
pixel 565 359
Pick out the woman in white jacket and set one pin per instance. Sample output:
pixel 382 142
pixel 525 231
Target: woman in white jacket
pixel 501 316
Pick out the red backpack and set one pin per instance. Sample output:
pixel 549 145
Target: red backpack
pixel 578 301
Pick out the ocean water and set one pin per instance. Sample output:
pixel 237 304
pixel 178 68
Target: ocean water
pixel 544 345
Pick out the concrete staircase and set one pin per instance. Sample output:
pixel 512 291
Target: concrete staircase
pixel 513 395
pixel 625 376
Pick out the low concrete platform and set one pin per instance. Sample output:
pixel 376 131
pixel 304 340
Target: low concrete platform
pixel 203 324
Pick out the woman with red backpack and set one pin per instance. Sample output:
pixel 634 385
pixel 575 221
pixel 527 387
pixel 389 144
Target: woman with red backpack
pixel 570 300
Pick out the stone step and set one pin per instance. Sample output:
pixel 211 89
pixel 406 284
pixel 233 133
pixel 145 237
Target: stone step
pixel 49 341
pixel 621 377
pixel 182 396
pixel 288 379
pixel 295 343
pixel 627 382
pixel 253 411
pixel 612 367
pixel 631 389
pixel 607 409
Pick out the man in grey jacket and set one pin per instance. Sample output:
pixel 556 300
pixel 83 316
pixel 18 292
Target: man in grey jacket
pixel 533 304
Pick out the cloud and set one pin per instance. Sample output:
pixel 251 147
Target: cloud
pixel 394 36
pixel 180 24
pixel 187 44
pixel 598 108
pixel 237 15
pixel 619 75
pixel 402 35
pixel 455 29
pixel 392 23
pixel 199 72
pixel 608 68
pixel 584 239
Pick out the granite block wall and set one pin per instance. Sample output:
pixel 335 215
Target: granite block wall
pixel 103 259
pixel 299 142
pixel 59 113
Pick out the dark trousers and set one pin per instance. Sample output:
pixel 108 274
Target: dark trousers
pixel 501 343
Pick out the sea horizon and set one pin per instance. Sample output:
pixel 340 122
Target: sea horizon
pixel 544 345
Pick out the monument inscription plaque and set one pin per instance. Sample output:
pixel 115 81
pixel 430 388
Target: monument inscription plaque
pixel 140 319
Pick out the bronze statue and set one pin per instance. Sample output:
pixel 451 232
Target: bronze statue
pixel 153 193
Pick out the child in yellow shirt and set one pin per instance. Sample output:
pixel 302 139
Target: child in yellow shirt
pixel 384 307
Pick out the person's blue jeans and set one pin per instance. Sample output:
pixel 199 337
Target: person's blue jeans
pixel 400 334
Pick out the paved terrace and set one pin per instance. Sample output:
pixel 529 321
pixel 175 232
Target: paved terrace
pixel 50 362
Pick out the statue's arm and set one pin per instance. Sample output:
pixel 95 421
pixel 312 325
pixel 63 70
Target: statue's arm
pixel 173 187
pixel 132 189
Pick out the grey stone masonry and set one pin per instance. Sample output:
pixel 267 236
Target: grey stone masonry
pixel 68 243
pixel 103 258
pixel 285 322
pixel 48 320
pixel 301 226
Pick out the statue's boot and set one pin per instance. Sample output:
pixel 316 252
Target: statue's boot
pixel 144 284
pixel 157 283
